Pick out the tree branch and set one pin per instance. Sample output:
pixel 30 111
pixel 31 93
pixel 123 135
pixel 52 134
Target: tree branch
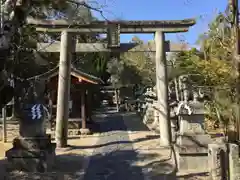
pixel 88 6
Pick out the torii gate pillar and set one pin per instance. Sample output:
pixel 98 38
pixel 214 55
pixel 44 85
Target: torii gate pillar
pixel 162 89
pixel 63 90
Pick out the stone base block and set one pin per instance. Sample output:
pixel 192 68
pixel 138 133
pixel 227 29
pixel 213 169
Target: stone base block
pixel 192 152
pixel 73 132
pixel 31 160
pixel 192 158
pixel 85 131
pixel 43 142
pixel 192 162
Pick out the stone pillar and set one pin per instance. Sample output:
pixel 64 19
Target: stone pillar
pixel 50 108
pixel 64 80
pixel 4 124
pixel 173 131
pixel 217 154
pixel 234 162
pixel 83 109
pixel 162 90
pixel 185 90
pixel 176 89
pixel 117 99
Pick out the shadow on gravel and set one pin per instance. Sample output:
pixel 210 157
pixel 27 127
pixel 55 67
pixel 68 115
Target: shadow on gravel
pixel 128 165
pixel 118 165
pixel 151 137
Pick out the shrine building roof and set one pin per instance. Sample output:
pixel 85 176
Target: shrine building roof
pixel 86 77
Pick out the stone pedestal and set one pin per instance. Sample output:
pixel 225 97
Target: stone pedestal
pixel 85 131
pixel 31 154
pixel 174 121
pixel 33 150
pixel 192 141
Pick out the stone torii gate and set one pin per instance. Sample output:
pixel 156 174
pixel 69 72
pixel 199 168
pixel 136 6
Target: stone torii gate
pixel 113 30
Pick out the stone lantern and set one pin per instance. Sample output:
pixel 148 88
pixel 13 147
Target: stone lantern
pixel 192 140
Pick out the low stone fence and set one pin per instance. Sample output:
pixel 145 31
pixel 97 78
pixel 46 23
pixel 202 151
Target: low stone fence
pixel 224 161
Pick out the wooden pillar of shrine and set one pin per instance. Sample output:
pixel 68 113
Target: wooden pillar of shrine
pixel 89 105
pixel 83 109
pixel 84 129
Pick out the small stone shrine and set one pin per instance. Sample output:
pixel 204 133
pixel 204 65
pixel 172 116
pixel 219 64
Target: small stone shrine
pixel 32 151
pixel 191 140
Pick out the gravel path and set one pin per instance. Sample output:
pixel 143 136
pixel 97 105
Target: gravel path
pixel 113 160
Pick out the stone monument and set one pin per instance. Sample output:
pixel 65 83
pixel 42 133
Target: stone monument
pixel 32 151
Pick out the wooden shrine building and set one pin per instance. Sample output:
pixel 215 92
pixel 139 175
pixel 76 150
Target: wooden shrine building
pixel 80 97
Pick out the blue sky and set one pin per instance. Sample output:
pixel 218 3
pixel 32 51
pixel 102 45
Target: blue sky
pixel 203 10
